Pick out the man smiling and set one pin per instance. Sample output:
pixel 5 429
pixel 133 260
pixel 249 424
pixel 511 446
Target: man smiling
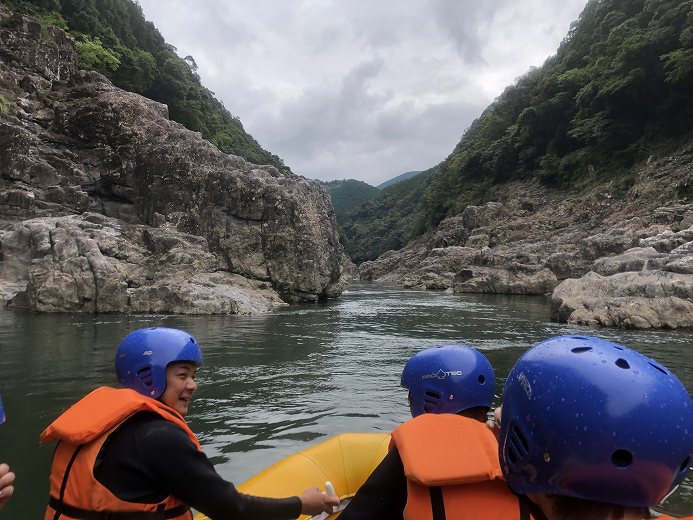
pixel 129 452
pixel 180 386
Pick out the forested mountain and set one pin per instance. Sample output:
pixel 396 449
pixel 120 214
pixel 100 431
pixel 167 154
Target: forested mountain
pixel 617 91
pixel 386 221
pixel 114 39
pixel 347 194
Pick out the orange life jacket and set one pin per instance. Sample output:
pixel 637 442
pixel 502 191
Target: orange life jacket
pixel 452 469
pixel 81 431
pixel 665 517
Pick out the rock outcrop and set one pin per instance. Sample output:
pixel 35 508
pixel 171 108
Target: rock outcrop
pixel 610 256
pixel 649 286
pixel 107 205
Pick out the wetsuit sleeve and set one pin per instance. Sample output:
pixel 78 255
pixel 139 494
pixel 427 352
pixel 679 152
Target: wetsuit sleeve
pixel 191 477
pixel 149 458
pixel 383 495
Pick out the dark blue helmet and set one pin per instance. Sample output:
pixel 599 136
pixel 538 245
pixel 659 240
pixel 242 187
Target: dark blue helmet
pixel 588 418
pixel 448 379
pixel 143 356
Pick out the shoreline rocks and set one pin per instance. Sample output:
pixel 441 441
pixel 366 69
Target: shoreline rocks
pixel 607 257
pixel 93 263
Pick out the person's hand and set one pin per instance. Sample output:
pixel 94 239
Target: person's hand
pixel 494 424
pixel 6 481
pixel 314 502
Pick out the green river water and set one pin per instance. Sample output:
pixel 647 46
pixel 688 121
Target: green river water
pixel 275 384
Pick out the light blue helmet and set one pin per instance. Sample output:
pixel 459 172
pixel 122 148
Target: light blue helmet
pixel 144 354
pixel 2 413
pixel 448 379
pixel 587 418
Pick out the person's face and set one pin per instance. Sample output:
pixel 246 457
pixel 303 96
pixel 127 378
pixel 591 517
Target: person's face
pixel 180 386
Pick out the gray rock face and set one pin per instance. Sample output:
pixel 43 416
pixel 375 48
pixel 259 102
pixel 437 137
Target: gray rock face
pixel 53 57
pixel 650 286
pixel 646 299
pixel 635 259
pixel 237 237
pixel 92 263
pixel 514 279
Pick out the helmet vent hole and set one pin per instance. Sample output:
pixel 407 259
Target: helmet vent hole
pixel 430 399
pixel 517 447
pixel 622 363
pixel 481 379
pixel 512 455
pixel 622 458
pixel 520 437
pixel 685 464
pixel 145 375
pixel 659 368
pixel 432 395
pixel 580 350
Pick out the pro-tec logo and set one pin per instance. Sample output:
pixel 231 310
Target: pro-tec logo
pixel 147 353
pixel 524 382
pixel 442 374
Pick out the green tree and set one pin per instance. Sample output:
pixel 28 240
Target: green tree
pixel 91 55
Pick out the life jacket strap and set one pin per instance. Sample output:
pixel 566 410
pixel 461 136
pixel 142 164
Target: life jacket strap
pixel 82 514
pixel 437 502
pixel 529 510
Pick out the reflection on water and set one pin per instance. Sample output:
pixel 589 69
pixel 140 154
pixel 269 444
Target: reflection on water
pixel 273 384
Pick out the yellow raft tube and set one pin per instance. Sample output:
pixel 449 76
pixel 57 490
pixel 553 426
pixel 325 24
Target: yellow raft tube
pixel 346 460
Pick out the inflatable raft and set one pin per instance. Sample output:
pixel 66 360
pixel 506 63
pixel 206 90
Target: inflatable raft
pixel 345 460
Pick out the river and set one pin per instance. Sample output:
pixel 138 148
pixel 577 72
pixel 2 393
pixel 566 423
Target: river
pixel 274 384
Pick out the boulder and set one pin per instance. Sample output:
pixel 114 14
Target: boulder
pixel 635 259
pixel 513 279
pixel 645 299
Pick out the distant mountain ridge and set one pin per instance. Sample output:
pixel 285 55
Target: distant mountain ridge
pixel 399 178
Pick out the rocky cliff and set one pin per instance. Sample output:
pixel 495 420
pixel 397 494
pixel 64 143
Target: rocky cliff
pixel 107 205
pixel 607 256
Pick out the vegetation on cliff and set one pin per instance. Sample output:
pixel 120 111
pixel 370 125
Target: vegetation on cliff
pixel 348 194
pixel 385 221
pixel 113 38
pixel 617 91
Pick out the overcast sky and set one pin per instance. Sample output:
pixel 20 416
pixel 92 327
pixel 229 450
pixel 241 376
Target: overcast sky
pixel 361 89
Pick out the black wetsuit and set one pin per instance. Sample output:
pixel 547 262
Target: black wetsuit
pixel 384 495
pixel 149 458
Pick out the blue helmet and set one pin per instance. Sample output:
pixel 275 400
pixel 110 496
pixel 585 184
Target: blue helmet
pixel 2 413
pixel 448 379
pixel 143 356
pixel 588 418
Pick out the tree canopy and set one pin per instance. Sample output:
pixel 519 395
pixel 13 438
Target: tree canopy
pixel 347 194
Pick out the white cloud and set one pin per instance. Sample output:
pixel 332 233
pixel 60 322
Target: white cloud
pixel 361 89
